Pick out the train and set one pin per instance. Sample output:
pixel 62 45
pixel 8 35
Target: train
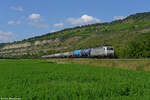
pixel 99 52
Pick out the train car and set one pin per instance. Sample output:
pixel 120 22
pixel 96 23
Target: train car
pixel 52 56
pixel 77 53
pixel 86 52
pixel 67 54
pixel 48 56
pixel 59 55
pixel 98 52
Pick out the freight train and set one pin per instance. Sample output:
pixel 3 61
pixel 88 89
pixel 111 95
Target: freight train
pixel 99 52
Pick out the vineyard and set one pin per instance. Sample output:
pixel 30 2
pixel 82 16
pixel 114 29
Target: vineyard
pixel 43 80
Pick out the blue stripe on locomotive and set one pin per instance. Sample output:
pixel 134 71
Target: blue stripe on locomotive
pixel 86 52
pixel 77 52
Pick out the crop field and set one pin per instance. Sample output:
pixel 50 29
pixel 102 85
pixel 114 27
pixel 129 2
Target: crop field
pixel 53 80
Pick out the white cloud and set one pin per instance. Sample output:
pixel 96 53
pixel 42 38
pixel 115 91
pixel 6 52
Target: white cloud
pixel 53 31
pixel 36 20
pixel 13 22
pixel 33 19
pixel 119 17
pixel 34 16
pixel 17 8
pixel 85 19
pixel 59 25
pixel 6 36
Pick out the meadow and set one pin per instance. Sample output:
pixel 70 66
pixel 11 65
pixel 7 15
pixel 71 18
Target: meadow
pixel 53 80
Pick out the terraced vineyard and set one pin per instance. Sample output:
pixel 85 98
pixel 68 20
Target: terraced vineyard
pixel 43 80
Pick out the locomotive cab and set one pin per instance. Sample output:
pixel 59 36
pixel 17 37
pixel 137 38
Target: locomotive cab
pixel 109 51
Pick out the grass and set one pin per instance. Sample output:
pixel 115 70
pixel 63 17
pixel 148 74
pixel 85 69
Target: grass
pixel 49 80
pixel 135 64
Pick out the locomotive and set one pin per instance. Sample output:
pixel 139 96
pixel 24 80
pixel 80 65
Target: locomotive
pixel 99 52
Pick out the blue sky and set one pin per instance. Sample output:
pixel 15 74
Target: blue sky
pixel 21 19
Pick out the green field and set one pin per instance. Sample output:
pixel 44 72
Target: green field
pixel 47 80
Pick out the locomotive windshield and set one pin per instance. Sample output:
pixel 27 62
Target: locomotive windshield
pixel 110 48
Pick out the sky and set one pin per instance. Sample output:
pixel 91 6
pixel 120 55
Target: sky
pixel 22 19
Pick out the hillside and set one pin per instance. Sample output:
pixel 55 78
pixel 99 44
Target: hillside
pixel 130 37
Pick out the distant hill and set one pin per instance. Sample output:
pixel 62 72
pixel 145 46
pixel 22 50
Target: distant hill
pixel 130 37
